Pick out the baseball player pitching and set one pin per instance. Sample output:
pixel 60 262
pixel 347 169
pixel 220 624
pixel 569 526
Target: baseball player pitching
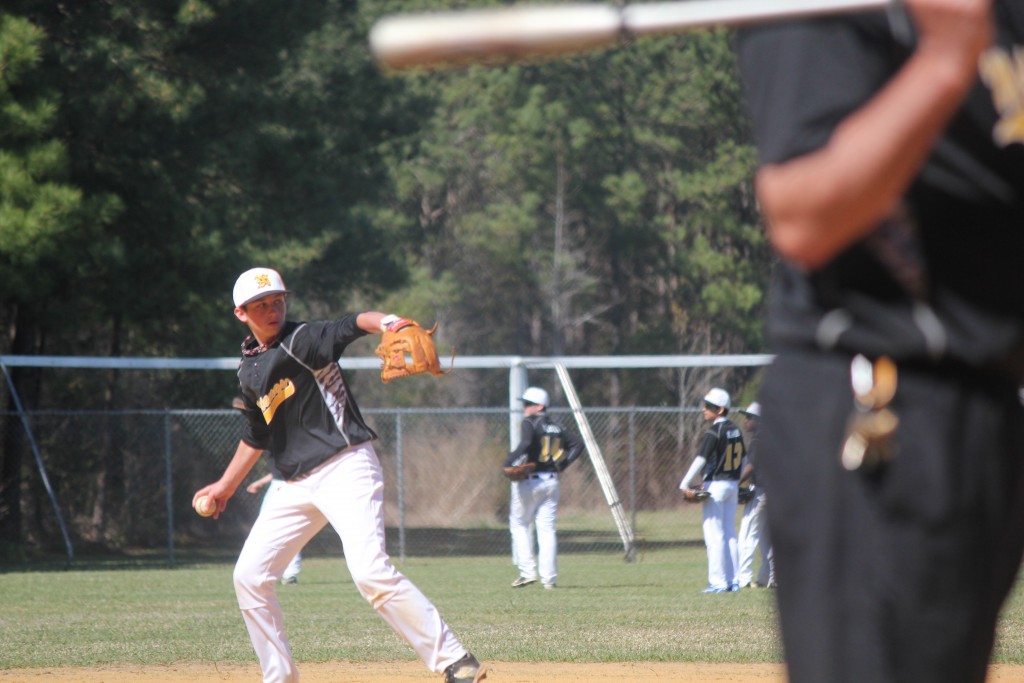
pixel 298 405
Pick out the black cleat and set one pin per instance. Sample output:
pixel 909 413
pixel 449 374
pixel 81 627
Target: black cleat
pixel 466 670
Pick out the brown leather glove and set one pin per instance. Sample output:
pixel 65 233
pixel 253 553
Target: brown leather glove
pixel 407 349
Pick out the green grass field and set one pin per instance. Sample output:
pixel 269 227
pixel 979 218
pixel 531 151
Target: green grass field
pixel 604 610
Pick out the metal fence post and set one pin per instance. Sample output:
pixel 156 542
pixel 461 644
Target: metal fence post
pixel 401 487
pixel 631 554
pixel 170 489
pixel 39 462
pixel 516 387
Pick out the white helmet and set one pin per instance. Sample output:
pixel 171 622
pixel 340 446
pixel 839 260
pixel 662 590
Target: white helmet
pixel 536 395
pixel 718 397
pixel 753 410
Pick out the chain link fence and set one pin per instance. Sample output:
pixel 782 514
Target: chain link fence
pixel 126 478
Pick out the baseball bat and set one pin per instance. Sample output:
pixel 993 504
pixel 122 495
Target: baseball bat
pixel 512 33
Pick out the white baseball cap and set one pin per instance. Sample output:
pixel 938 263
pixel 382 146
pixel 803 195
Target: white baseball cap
pixel 718 397
pixel 536 395
pixel 257 283
pixel 753 410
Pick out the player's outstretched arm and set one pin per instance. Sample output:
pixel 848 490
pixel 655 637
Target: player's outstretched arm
pixel 370 321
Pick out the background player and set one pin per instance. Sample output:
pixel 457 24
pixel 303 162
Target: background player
pixel 298 406
pixel 534 500
pixel 718 465
pixel 754 523
pixel 892 184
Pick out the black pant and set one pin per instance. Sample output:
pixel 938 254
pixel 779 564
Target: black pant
pixel 896 575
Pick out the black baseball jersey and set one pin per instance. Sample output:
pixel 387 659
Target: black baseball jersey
pixel 298 405
pixel 752 453
pixel 546 443
pixel 722 449
pixel 941 277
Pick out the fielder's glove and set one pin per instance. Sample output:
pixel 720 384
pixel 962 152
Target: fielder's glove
pixel 746 494
pixel 519 472
pixel 695 495
pixel 407 349
pixel 520 469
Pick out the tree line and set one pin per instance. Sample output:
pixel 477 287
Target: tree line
pixel 151 151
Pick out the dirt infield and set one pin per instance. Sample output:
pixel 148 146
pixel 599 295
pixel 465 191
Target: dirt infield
pixel 413 672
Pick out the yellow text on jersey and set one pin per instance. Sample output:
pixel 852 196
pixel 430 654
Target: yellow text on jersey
pixel 278 393
pixel 1004 74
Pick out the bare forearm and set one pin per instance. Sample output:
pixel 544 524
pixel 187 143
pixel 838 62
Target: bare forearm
pixel 221 490
pixel 241 463
pixel 819 204
pixel 369 321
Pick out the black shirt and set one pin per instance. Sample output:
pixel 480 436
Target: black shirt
pixel 942 277
pixel 546 443
pixel 722 449
pixel 297 402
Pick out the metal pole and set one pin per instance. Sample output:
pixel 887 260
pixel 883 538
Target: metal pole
pixel 169 470
pixel 516 386
pixel 39 462
pixel 517 380
pixel 597 460
pixel 399 463
pixel 631 553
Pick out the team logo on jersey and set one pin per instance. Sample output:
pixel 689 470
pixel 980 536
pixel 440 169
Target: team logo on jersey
pixel 278 394
pixel 1003 73
pixel 551 447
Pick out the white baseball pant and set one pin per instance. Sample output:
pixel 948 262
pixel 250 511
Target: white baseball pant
pixel 754 535
pixel 720 532
pixel 348 492
pixel 535 501
pixel 295 566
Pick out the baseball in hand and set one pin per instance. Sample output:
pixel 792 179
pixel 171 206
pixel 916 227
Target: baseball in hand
pixel 205 506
